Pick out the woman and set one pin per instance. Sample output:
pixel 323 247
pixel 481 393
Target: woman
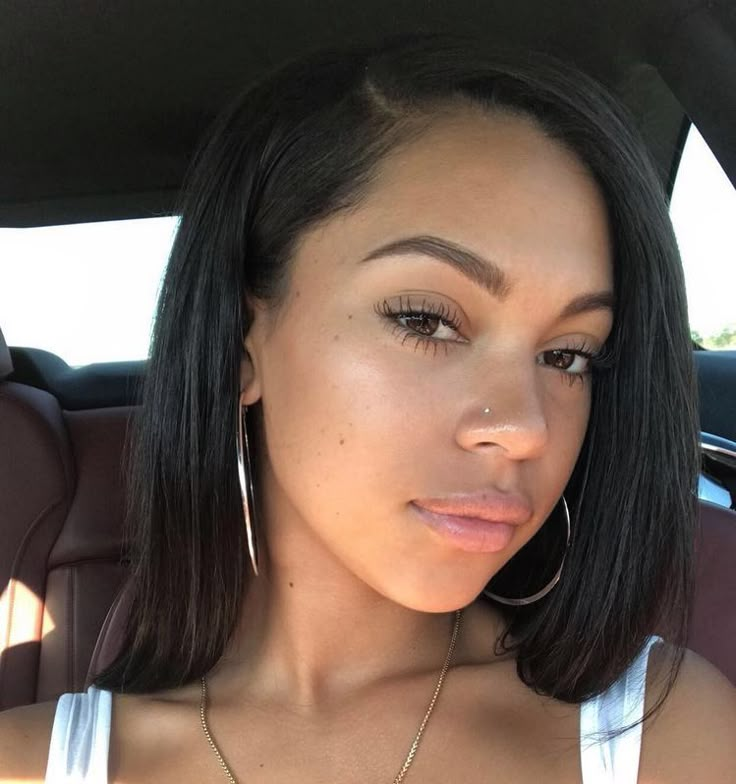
pixel 423 331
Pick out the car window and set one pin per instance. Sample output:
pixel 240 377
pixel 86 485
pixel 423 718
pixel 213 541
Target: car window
pixel 703 211
pixel 86 292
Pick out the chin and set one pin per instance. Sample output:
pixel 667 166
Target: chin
pixel 433 600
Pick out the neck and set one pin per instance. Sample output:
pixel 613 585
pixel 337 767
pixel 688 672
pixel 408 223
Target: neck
pixel 308 638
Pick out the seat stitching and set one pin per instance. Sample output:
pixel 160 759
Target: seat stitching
pixel 72 628
pixel 93 559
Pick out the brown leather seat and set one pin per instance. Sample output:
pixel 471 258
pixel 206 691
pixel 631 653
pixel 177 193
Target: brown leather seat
pixel 713 616
pixel 61 503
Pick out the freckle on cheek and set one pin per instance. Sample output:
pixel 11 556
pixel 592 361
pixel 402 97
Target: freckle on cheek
pixel 350 315
pixel 291 585
pixel 336 337
pixel 342 441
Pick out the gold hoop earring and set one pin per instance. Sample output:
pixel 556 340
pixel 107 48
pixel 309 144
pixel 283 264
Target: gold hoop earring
pixel 550 585
pixel 245 476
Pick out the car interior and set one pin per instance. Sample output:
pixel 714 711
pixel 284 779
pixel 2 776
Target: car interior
pixel 103 105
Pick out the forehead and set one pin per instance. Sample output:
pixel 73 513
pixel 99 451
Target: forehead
pixel 491 182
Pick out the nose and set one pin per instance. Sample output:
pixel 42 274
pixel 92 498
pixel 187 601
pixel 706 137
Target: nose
pixel 509 415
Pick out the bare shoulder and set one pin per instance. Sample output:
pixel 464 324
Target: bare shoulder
pixel 693 736
pixel 24 742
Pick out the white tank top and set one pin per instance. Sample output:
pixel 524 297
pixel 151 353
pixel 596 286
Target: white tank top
pixel 80 738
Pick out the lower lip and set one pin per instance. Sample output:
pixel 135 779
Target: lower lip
pixel 468 533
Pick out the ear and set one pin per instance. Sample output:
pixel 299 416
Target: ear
pixel 250 378
pixel 250 387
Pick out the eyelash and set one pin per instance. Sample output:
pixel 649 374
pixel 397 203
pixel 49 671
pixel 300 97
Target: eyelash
pixel 598 360
pixel 405 309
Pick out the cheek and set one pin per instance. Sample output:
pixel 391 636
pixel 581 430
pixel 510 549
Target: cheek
pixel 568 413
pixel 337 415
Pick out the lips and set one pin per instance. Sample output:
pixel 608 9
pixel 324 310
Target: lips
pixel 483 523
pixel 492 507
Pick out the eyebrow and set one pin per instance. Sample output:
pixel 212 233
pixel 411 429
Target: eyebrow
pixel 600 300
pixel 481 271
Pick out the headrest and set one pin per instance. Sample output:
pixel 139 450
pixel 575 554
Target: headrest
pixel 6 363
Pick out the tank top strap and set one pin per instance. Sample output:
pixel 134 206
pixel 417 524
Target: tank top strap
pixel 615 760
pixel 80 738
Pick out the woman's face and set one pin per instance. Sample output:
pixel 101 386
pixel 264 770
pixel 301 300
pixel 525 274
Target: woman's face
pixel 475 275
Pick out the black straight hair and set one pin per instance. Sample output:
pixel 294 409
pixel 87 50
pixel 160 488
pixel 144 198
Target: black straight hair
pixel 294 150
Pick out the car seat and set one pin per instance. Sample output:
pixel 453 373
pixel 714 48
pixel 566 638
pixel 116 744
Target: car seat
pixel 61 516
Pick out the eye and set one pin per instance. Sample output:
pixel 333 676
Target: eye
pixel 427 323
pixel 573 361
pixel 578 362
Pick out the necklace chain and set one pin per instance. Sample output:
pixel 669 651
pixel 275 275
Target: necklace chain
pixel 414 746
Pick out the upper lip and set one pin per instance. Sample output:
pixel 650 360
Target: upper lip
pixel 490 505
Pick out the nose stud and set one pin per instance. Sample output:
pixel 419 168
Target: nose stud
pixel 486 411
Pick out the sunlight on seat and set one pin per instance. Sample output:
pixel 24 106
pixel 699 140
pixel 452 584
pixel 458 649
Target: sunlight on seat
pixel 23 617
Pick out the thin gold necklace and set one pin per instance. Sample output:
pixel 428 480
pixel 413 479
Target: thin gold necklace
pixel 414 746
